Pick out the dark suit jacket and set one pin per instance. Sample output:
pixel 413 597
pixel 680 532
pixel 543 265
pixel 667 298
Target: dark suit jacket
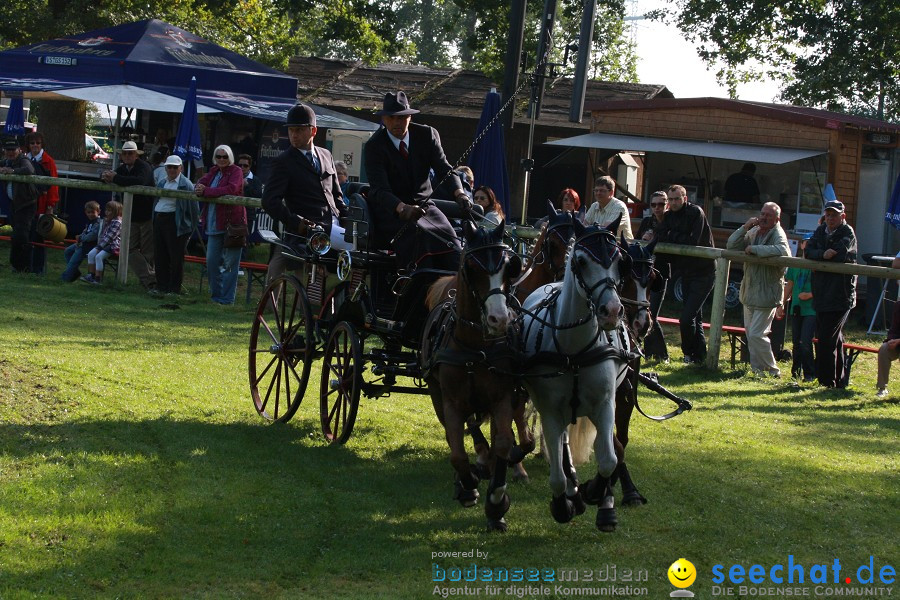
pixel 140 173
pixel 294 189
pixel 394 179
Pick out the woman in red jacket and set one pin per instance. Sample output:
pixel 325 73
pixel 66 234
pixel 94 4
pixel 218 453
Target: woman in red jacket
pixel 46 166
pixel 224 179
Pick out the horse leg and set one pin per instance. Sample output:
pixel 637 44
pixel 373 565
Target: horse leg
pixel 466 486
pixel 563 504
pixel 497 503
pixel 482 448
pixel 526 440
pixel 625 401
pixel 597 491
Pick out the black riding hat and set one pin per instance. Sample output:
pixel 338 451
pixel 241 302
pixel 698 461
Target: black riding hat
pixel 300 116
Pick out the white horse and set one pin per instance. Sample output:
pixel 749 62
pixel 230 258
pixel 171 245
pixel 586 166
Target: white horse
pixel 576 350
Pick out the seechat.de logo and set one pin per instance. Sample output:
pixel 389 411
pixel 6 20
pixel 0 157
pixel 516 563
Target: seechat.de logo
pixel 682 574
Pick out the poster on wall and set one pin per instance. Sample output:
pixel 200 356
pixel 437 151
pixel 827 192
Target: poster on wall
pixel 809 200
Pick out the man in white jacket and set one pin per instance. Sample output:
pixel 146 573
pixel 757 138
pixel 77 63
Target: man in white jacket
pixel 763 285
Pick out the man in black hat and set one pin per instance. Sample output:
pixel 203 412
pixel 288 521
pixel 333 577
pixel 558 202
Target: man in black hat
pixel 399 159
pixel 303 187
pixel 23 199
pixel 834 294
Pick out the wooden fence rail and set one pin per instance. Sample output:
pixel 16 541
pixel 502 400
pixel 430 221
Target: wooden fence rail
pixel 722 258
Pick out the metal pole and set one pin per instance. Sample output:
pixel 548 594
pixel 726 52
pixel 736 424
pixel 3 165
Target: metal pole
pixel 127 202
pixel 717 316
pixel 527 186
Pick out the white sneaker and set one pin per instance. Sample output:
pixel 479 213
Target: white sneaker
pixel 882 393
pixel 241 273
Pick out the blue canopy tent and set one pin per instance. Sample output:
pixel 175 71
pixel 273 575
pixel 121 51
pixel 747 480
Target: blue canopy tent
pixel 148 65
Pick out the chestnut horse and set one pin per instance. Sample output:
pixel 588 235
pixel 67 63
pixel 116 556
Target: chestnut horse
pixel 468 361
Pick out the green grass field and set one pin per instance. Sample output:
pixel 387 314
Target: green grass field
pixel 132 465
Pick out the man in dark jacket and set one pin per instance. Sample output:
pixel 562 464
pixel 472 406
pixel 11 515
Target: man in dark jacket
pixel 303 188
pixel 834 294
pixel 23 204
pixel 134 171
pixel 686 224
pixel 399 159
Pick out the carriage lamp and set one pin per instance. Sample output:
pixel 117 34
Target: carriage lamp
pixel 319 241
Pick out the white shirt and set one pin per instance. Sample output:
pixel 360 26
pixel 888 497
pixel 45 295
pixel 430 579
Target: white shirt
pixel 613 212
pixel 167 204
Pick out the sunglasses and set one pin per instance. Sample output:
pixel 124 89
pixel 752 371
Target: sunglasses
pixel 246 166
pixel 221 157
pixel 655 204
pixel 171 166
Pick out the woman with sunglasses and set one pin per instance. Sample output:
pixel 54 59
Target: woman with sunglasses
pixel 224 179
pixel 655 343
pixel 485 197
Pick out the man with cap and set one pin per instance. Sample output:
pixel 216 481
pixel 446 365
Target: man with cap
pixel 399 159
pixel 834 294
pixel 23 198
pixel 173 222
pixel 303 188
pixel 134 171
pixel 763 285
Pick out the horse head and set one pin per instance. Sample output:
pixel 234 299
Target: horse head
pixel 556 237
pixel 486 270
pixel 642 277
pixel 595 262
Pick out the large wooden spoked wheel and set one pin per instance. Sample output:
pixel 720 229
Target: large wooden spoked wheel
pixel 281 349
pixel 342 379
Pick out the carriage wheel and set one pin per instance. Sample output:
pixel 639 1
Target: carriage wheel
pixel 341 382
pixel 281 349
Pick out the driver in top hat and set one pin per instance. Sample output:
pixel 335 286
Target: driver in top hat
pixel 303 188
pixel 399 159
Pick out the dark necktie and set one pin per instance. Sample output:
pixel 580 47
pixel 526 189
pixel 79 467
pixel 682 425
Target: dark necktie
pixel 403 151
pixel 315 162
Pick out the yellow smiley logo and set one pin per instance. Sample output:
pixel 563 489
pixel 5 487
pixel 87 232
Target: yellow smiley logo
pixel 682 573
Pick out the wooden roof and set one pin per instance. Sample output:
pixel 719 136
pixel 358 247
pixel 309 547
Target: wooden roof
pixel 785 112
pixel 354 86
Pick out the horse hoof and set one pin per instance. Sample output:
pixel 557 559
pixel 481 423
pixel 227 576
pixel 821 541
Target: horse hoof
pixel 495 512
pixel 497 525
pixel 578 503
pixel 594 491
pixel 481 471
pixel 468 498
pixel 516 455
pixel 633 498
pixel 562 509
pixel 606 520
pixel 520 477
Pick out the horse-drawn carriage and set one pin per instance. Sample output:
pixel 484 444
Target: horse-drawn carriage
pixel 370 325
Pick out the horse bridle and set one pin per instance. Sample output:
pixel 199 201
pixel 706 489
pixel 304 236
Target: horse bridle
pixel 564 236
pixel 487 267
pixel 606 259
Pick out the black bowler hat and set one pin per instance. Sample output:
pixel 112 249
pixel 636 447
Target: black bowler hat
pixel 396 104
pixel 300 116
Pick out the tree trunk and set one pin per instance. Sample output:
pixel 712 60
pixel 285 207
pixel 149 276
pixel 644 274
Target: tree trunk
pixel 62 122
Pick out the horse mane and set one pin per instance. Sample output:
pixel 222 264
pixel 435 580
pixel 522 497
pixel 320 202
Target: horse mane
pixel 439 291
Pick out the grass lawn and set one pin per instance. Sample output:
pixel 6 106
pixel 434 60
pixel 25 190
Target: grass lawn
pixel 132 464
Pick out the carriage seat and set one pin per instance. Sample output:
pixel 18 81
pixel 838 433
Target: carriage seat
pixel 358 218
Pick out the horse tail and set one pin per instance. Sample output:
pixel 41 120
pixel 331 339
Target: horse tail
pixel 439 291
pixel 581 440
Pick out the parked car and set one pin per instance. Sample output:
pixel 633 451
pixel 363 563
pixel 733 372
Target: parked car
pixel 94 150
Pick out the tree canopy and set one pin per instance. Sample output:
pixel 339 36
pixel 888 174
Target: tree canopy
pixel 841 55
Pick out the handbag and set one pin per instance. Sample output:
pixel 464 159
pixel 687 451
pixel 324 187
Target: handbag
pixel 235 236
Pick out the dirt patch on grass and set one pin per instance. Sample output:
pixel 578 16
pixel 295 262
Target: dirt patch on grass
pixel 29 395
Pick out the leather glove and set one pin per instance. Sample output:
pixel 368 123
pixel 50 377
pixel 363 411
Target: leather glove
pixel 410 212
pixel 463 201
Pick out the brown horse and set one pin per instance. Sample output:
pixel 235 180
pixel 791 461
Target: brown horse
pixel 468 362
pixel 545 264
